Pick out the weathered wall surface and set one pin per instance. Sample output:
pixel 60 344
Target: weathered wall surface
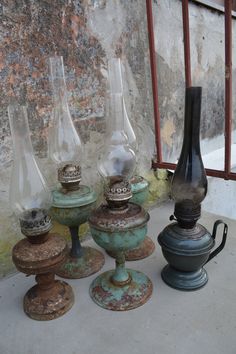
pixel 86 33
pixel 208 70
pixel 33 31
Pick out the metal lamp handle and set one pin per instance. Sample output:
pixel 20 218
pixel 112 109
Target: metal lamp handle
pixel 224 236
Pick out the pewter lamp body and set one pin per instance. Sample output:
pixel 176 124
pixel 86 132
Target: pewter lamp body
pixel 186 244
pixel 187 251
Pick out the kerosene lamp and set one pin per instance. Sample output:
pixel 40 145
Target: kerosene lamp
pixel 72 202
pixel 139 185
pixel 186 244
pixel 41 252
pixel 118 225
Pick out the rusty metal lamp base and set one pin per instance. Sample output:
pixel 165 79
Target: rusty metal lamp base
pixel 89 262
pixel 106 294
pixel 50 298
pixel 146 248
pixel 48 303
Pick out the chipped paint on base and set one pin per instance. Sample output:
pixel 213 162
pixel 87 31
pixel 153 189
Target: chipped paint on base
pixel 121 298
pixel 144 250
pixel 43 305
pixel 89 263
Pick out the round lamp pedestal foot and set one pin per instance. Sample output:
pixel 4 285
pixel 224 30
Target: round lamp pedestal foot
pixel 89 262
pixel 49 299
pixel 111 296
pixel 184 280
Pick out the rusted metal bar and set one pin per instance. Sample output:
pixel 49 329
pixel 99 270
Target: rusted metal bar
pixel 209 171
pixel 187 57
pixel 228 86
pixel 158 163
pixel 153 65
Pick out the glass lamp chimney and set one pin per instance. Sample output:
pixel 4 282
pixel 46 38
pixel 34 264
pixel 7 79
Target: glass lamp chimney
pixel 116 86
pixel 30 198
pixel 64 142
pixel 117 159
pixel 65 147
pixel 189 184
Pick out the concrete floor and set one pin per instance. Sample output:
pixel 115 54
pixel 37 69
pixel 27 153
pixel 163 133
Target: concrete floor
pixel 171 322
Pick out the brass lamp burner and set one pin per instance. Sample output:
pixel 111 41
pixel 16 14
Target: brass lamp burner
pixel 69 176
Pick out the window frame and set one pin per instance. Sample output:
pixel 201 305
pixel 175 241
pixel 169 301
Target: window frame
pixel 158 162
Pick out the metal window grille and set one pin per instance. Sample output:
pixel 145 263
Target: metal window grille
pixel 159 163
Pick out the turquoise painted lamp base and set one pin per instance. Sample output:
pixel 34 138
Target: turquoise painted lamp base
pixel 118 230
pixel 139 187
pixel 90 262
pixel 135 293
pixel 72 208
pixel 145 250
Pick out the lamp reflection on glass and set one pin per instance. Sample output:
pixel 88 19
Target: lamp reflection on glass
pixel 186 244
pixel 72 202
pixel 118 225
pixel 41 253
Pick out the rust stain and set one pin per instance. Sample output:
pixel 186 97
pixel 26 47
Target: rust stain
pixel 167 132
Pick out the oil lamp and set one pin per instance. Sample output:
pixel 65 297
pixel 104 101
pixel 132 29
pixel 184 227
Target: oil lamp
pixel 41 252
pixel 139 185
pixel 118 225
pixel 72 202
pixel 186 244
